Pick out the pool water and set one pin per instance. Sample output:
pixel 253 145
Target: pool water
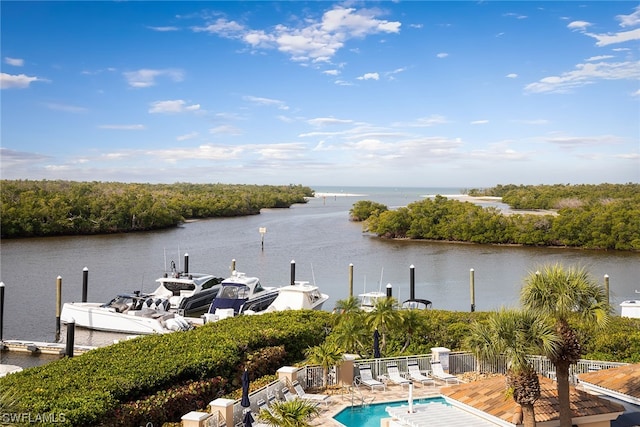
pixel 370 415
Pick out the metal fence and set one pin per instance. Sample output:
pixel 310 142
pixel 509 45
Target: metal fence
pixel 459 363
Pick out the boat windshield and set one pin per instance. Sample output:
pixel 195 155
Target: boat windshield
pixel 233 291
pixel 176 287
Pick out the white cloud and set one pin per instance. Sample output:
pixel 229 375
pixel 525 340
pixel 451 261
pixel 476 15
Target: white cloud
pixel 122 127
pixel 607 39
pixel 187 136
pixel 331 72
pixel 327 121
pixel 512 75
pixel 225 129
pixel 266 102
pixel 317 40
pixel 19 81
pixel 585 74
pixel 172 107
pixel 578 25
pixel 369 76
pixel 599 58
pixel 630 20
pixel 480 122
pixel 442 55
pixel 16 62
pixel 147 77
pixel 163 29
pixel 65 107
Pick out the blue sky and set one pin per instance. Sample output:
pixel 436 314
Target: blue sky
pixel 317 93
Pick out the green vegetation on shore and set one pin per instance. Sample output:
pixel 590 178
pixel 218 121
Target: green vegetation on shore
pixel 50 208
pixel 605 216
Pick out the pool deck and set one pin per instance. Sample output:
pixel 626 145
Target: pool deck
pixel 341 399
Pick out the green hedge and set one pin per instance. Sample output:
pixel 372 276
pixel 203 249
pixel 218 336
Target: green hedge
pixel 94 388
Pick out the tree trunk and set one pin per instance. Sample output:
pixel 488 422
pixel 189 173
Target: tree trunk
pixel 528 416
pixel 564 403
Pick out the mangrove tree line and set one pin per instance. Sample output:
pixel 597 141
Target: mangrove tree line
pixel 603 216
pixel 48 208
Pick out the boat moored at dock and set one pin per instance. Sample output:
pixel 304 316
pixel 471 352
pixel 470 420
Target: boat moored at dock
pixel 129 313
pixel 240 293
pixel 299 296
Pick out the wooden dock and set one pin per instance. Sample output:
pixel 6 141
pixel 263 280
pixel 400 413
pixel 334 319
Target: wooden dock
pixel 38 347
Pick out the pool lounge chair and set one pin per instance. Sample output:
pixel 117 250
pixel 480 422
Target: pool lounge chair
pixel 416 375
pixel 288 396
pixel 440 374
pixel 393 374
pixel 319 398
pixel 366 378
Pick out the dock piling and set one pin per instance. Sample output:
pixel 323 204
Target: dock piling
pixel 71 333
pixel 58 305
pixel 186 263
pixel 85 283
pixel 1 310
pixel 412 282
pixel 606 287
pixel 389 292
pixel 472 289
pixel 351 280
pixel 293 272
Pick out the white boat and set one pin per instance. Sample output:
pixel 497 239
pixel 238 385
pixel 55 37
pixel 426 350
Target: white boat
pixel 129 313
pixel 189 294
pixel 238 294
pixel 368 300
pixel 299 296
pixel 630 308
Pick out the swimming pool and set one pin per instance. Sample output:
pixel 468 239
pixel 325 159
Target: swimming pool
pixel 370 415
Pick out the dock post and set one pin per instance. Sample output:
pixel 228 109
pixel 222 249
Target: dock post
pixel 85 283
pixel 71 334
pixel 233 265
pixel 1 310
pixel 58 306
pixel 389 293
pixel 472 286
pixel 351 279
pixel 412 282
pixel 606 288
pixel 293 272
pixel 186 263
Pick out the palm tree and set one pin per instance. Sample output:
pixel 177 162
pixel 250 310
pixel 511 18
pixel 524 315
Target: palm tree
pixel 564 295
pixel 350 335
pixel 327 355
pixel 514 335
pixel 293 413
pixel 410 321
pixel 384 317
pixel 346 307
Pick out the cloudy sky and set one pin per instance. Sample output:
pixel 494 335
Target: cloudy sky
pixel 321 93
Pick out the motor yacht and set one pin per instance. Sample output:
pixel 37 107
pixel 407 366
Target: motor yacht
pixel 189 294
pixel 300 296
pixel 240 293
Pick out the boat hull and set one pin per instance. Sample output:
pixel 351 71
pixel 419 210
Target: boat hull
pixel 94 316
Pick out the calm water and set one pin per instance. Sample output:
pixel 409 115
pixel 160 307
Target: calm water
pixel 317 235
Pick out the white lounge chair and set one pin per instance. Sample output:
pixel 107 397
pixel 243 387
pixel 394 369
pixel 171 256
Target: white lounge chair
pixel 288 396
pixel 393 373
pixel 314 397
pixel 366 378
pixel 440 374
pixel 416 375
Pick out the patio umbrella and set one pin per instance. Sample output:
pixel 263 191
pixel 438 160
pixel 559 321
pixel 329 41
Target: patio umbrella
pixel 244 402
pixel 376 344
pixel 248 419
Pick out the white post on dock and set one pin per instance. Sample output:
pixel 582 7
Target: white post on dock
pixel 472 286
pixel 351 279
pixel 58 305
pixel 262 231
pixel 606 287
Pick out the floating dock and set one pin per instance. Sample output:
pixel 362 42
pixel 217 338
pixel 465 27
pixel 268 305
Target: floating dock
pixel 38 347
